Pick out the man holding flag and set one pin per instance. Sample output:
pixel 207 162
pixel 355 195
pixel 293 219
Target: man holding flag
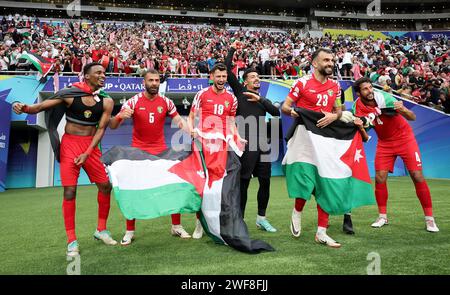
pixel 395 139
pixel 215 109
pixel 149 110
pixel 88 110
pixel 323 158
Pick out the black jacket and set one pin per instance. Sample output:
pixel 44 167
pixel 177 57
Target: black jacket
pixel 248 109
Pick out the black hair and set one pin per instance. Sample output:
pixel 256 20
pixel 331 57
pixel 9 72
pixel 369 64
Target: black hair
pixel 218 67
pixel 247 72
pixel 359 82
pixel 322 49
pixel 88 67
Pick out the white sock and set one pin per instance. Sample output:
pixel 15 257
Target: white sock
pixel 259 218
pixel 321 230
pixel 429 218
pixel 296 212
pixel 176 225
pixel 383 216
pixel 129 232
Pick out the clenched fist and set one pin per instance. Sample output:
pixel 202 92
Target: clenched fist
pixel 18 108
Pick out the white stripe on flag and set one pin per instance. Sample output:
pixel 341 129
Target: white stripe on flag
pixel 322 152
pixel 379 98
pixel 212 205
pixel 143 174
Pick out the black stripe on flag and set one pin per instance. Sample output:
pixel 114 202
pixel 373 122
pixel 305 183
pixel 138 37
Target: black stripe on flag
pixel 337 129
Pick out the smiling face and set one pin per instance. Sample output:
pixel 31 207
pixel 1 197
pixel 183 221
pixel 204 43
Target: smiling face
pixel 366 92
pixel 324 63
pixel 219 78
pixel 252 81
pixel 96 77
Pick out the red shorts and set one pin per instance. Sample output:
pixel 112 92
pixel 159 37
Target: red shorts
pixel 71 147
pixel 387 152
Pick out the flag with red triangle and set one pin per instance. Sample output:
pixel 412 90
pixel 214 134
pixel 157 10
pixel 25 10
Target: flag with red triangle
pixel 328 163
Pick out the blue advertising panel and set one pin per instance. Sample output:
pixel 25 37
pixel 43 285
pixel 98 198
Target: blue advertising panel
pixel 5 124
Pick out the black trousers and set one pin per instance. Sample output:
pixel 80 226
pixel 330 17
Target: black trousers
pixel 251 164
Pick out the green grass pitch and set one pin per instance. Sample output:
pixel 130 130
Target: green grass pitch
pixel 33 238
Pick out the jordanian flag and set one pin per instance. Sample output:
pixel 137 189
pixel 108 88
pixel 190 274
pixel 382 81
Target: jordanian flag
pixel 328 163
pixel 40 63
pixel 147 186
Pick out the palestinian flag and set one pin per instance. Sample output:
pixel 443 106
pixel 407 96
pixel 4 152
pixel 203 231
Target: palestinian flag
pixel 54 116
pixel 385 104
pixel 329 163
pixel 24 32
pixel 40 63
pixel 174 184
pixel 221 215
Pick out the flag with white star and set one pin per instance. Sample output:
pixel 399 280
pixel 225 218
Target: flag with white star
pixel 329 163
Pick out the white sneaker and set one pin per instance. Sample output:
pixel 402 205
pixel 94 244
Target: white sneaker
pixel 105 236
pixel 73 249
pixel 296 223
pixel 324 239
pixel 178 230
pixel 127 238
pixel 198 232
pixel 431 225
pixel 380 222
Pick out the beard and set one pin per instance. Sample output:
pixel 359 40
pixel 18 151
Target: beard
pixel 152 90
pixel 369 98
pixel 326 71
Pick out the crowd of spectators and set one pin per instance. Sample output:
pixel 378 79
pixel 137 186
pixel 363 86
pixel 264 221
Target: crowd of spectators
pixel 416 69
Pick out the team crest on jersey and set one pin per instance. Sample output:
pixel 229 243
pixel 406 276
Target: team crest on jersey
pixel 160 110
pixel 87 114
pixel 330 92
pixel 227 103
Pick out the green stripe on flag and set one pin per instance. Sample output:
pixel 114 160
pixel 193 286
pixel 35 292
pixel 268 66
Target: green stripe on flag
pixel 331 194
pixel 158 201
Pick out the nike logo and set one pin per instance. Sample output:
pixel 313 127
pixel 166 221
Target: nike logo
pixel 294 232
pixel 142 109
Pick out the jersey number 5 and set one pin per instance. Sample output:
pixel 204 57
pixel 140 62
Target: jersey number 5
pixel 322 100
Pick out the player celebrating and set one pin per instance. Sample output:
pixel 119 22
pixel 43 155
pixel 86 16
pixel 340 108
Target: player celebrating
pixel 215 107
pixel 251 104
pixel 395 138
pixel 318 93
pixel 149 111
pixel 87 113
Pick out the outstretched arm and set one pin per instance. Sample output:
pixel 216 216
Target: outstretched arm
pixel 231 78
pixel 20 108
